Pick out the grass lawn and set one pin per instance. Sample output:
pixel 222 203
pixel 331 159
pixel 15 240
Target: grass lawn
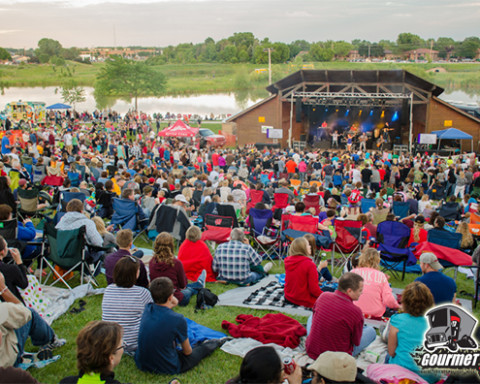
pixel 217 368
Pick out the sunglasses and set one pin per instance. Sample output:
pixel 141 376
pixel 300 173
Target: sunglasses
pixel 133 259
pixel 123 346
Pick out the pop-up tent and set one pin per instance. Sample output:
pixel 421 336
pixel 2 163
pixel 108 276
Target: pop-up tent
pixel 59 106
pixel 179 129
pixel 452 134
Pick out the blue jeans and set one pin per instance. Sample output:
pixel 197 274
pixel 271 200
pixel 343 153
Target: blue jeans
pixel 190 290
pixel 325 273
pixel 368 335
pixel 39 331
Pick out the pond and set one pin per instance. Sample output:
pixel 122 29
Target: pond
pixel 220 104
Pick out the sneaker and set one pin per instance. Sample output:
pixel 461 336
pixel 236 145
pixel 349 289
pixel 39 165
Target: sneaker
pixel 202 278
pixel 267 267
pixel 56 343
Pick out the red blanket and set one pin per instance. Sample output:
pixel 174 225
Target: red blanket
pixel 272 328
pixel 451 255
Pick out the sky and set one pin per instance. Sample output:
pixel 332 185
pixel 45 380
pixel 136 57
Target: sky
pixel 91 23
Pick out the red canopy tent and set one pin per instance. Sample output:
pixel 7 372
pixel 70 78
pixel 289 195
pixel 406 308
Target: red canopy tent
pixel 179 129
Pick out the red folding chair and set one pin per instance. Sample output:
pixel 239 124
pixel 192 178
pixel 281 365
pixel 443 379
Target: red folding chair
pixel 217 230
pixel 280 201
pixel 303 223
pixel 255 197
pixel 347 241
pixel 312 201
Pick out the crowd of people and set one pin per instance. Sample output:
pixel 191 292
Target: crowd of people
pixel 173 187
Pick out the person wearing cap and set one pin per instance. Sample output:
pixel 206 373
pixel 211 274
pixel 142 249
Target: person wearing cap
pixel 418 233
pixel 443 287
pixel 336 367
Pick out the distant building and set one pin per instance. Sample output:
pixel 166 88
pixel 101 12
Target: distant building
pixel 422 54
pixel 389 55
pixel 17 59
pixel 353 55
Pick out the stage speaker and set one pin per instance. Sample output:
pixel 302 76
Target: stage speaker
pixel 303 137
pixel 404 118
pixel 298 110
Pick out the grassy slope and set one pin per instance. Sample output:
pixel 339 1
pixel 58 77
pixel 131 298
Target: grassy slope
pixel 215 369
pixel 215 78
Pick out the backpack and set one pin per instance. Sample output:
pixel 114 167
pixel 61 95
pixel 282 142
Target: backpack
pixel 206 299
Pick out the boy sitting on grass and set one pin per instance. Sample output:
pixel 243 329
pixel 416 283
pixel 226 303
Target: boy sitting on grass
pixel 162 329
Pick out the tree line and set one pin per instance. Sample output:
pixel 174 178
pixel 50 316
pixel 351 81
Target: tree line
pixel 244 47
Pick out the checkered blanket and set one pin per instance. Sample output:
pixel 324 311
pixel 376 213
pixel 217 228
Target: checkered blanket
pixel 271 295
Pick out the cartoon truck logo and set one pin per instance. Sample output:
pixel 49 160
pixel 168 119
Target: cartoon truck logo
pixel 450 327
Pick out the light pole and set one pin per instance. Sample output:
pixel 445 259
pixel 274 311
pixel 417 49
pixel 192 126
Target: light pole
pixel 269 50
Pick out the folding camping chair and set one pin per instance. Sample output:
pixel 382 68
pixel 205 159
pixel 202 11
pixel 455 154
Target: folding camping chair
pixel 9 231
pixel 445 239
pixel 295 183
pixel 392 239
pixel 217 230
pixel 127 215
pixel 29 201
pixel 312 201
pixel 401 209
pixel 280 202
pixel 266 239
pixel 348 241
pixel 255 197
pixel 67 250
pixel 366 204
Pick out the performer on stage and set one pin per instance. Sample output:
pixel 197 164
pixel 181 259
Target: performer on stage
pixel 363 142
pixel 335 139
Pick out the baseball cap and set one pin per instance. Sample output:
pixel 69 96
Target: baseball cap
pixel 22 182
pixel 431 259
pixel 335 366
pixel 181 198
pixel 151 180
pixel 420 219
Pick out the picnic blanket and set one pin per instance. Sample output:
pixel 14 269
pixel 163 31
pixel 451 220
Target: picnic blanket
pixel 272 328
pixel 59 300
pixel 451 255
pixel 272 299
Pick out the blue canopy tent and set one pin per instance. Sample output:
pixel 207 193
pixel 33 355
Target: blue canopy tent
pixel 452 134
pixel 59 106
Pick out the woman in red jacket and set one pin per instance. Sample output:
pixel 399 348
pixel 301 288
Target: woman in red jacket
pixel 195 255
pixel 301 275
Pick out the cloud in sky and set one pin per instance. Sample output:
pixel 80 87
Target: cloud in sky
pixel 88 23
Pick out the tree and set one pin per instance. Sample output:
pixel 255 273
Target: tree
pixel 469 47
pixel 48 48
pixel 72 93
pixel 445 47
pixel 122 77
pixel 298 46
pixel 4 54
pixel 322 52
pixel 342 49
pixel 409 41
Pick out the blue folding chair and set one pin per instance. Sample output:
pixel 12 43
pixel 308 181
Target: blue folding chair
pixel 127 214
pixel 366 204
pixel 266 239
pixel 401 209
pixel 392 239
pixel 74 178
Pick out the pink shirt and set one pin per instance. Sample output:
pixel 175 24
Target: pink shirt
pixel 377 293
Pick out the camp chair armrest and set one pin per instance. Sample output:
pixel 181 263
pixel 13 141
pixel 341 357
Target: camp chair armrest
pixel 98 249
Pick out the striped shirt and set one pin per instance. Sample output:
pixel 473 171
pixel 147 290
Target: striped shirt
pixel 125 306
pixel 233 259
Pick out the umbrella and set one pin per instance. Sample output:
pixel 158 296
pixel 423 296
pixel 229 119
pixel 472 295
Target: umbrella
pixel 59 106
